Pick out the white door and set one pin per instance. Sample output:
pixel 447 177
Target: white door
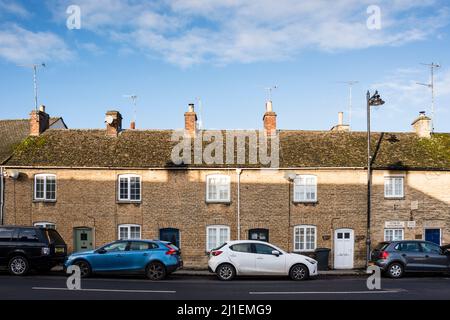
pixel 243 258
pixel 343 248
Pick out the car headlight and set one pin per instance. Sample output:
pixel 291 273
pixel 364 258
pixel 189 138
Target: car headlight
pixel 45 251
pixel 312 261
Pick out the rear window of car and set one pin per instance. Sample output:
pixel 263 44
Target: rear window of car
pixel 54 237
pixel 28 235
pixel 381 246
pixel 242 247
pixel 6 234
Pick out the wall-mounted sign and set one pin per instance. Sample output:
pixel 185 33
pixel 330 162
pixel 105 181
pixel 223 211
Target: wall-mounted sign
pixel 394 224
pixel 411 224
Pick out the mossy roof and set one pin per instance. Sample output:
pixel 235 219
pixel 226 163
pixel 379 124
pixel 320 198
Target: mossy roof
pixel 153 148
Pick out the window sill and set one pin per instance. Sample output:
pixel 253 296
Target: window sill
pixel 304 251
pixel 44 201
pixel 394 198
pixel 128 202
pixel 217 202
pixel 305 202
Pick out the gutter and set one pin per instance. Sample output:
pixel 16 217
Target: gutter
pixel 2 196
pixel 238 173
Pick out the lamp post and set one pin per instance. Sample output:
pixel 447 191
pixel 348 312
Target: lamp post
pixel 372 101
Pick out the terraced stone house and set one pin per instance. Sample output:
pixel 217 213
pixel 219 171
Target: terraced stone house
pixel 97 186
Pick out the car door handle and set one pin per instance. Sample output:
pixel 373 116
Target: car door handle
pixel 259 258
pixel 427 256
pixel 145 254
pixel 403 255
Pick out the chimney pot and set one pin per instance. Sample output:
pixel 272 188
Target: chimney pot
pixel 39 121
pixel 422 125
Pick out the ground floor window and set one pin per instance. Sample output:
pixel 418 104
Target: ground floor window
pixel 129 231
pixel 393 234
pixel 216 236
pixel 171 235
pixel 305 238
pixel 48 225
pixel 258 234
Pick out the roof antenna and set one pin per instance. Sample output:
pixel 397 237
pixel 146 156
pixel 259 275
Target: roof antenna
pixel 269 92
pixel 431 86
pixel 35 67
pixel 200 110
pixel 350 84
pixel 133 99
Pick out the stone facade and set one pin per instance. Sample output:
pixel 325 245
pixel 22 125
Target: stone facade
pixel 176 198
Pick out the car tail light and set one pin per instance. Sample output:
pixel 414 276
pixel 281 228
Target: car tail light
pixel 383 255
pixel 216 253
pixel 45 251
pixel 171 251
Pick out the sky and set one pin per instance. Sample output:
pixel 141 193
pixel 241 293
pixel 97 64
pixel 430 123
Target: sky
pixel 226 52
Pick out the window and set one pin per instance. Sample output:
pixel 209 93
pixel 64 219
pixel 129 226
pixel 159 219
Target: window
pixel 305 189
pixel 129 188
pixel 28 235
pixel 48 225
pixel 6 234
pixel 171 235
pixel 242 247
pixel 393 234
pixel 216 236
pixel 45 187
pixel 129 231
pixel 408 247
pixel 305 238
pixel 393 187
pixel 142 246
pixel 116 246
pixel 258 234
pixel 264 249
pixel 431 248
pixel 217 188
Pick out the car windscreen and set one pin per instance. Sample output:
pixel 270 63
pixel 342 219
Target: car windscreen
pixel 54 237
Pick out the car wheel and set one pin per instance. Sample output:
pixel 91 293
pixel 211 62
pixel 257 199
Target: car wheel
pixel 85 268
pixel 299 272
pixel 156 271
pixel 226 272
pixel 18 266
pixel 395 270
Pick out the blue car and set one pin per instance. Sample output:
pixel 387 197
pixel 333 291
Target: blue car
pixel 155 258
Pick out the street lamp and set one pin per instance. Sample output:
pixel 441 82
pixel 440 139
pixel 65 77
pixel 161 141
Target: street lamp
pixel 372 101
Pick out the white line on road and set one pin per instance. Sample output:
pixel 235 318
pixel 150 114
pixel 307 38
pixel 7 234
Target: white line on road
pixel 104 290
pixel 328 292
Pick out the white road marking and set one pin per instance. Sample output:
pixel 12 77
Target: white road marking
pixel 104 290
pixel 326 292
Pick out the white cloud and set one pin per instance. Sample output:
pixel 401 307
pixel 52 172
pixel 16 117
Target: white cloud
pixel 187 32
pixel 22 46
pixel 10 7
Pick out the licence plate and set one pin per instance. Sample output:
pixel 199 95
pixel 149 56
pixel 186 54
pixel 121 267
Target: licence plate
pixel 59 250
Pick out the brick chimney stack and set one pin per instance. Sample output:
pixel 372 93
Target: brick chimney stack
pixel 190 121
pixel 341 126
pixel 270 119
pixel 113 122
pixel 422 126
pixel 39 121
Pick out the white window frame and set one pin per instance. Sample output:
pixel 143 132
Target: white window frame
pixel 391 180
pixel 297 244
pixel 217 228
pixel 220 188
pixel 128 198
pixel 44 176
pixel 45 224
pixel 129 226
pixel 304 186
pixel 393 230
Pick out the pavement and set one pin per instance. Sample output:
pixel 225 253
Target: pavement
pixel 201 287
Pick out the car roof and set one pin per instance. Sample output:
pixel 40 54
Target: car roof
pixel 24 227
pixel 246 241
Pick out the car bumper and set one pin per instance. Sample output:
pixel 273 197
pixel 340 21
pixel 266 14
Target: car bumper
pixel 313 270
pixel 382 264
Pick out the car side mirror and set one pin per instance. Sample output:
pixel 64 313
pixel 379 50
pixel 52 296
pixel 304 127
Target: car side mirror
pixel 101 251
pixel 276 253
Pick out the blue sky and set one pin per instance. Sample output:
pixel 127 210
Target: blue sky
pixel 169 52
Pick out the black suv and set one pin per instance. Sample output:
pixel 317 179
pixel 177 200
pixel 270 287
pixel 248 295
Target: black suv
pixel 22 248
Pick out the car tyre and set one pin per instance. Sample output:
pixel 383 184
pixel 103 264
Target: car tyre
pixel 85 268
pixel 156 271
pixel 18 266
pixel 226 272
pixel 299 272
pixel 395 270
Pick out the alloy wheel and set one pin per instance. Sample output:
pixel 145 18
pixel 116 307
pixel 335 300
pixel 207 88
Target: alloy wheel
pixel 18 266
pixel 298 272
pixel 226 272
pixel 395 271
pixel 155 271
pixel 85 270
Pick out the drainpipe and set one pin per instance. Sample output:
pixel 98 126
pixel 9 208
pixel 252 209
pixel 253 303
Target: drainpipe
pixel 238 174
pixel 2 195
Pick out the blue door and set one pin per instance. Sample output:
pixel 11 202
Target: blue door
pixel 171 235
pixel 433 235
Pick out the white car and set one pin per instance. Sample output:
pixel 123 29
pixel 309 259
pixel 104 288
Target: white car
pixel 248 257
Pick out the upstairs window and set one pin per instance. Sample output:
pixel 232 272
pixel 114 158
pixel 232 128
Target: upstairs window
pixel 393 187
pixel 45 187
pixel 305 188
pixel 129 188
pixel 218 188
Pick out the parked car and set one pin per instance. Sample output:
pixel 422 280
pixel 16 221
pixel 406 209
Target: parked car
pixel 247 257
pixel 23 248
pixel 397 257
pixel 155 258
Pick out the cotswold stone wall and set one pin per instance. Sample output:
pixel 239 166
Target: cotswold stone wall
pixel 176 199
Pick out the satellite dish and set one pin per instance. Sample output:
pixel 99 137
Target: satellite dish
pixel 13 174
pixel 109 119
